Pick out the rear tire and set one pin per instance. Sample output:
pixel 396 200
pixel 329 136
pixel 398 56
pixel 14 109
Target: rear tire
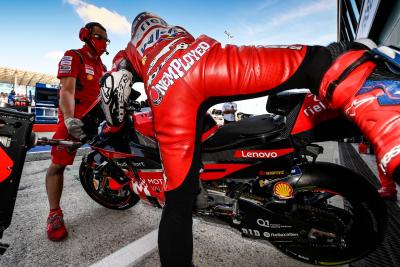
pixel 345 206
pixel 97 187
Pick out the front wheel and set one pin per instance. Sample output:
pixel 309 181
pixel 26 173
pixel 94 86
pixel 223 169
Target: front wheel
pixel 97 186
pixel 338 217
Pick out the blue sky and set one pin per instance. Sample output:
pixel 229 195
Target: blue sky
pixel 35 34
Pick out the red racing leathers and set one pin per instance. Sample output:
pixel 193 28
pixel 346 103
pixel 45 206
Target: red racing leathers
pixel 183 76
pixel 199 70
pixel 373 105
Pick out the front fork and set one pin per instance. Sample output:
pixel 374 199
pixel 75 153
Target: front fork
pixel 120 177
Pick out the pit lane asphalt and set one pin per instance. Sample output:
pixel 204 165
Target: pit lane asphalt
pixel 96 232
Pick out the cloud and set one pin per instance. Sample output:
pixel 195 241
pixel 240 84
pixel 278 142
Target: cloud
pixel 290 15
pixel 303 11
pixel 54 55
pixel 266 4
pixel 111 20
pixel 325 39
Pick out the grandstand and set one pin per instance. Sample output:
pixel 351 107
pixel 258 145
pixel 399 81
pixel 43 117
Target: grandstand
pixel 34 93
pixel 25 78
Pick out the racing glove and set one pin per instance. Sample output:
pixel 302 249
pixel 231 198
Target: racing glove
pixel 74 127
pixel 104 130
pixel 114 91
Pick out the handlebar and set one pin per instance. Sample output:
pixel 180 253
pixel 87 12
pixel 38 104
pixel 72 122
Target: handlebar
pixel 134 105
pixel 44 141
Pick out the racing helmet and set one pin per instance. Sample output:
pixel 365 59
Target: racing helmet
pixel 148 29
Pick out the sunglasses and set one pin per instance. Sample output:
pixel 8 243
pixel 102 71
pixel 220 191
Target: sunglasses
pixel 100 37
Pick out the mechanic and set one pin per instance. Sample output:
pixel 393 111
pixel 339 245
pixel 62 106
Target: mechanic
pixel 183 76
pixel 79 72
pixel 229 110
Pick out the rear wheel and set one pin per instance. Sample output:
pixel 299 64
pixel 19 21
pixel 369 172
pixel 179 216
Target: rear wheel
pixel 97 186
pixel 337 216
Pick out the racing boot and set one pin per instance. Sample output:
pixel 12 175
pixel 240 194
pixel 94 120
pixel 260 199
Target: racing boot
pixel 56 230
pixel 369 96
pixel 388 187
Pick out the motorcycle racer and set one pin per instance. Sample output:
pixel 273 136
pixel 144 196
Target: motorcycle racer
pixel 183 76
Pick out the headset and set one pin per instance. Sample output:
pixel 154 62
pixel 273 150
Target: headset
pixel 85 32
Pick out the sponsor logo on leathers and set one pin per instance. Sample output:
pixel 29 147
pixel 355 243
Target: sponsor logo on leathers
pixel 139 31
pixel 176 69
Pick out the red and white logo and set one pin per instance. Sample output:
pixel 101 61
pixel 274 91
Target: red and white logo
pixel 283 190
pixel 6 164
pixel 266 154
pixel 176 69
pixel 156 95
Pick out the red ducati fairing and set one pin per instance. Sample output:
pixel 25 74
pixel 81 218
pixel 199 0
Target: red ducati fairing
pixel 242 149
pixel 255 173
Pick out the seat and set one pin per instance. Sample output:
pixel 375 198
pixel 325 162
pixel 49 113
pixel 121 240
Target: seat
pixel 264 126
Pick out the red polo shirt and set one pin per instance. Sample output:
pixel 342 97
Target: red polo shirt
pixel 87 70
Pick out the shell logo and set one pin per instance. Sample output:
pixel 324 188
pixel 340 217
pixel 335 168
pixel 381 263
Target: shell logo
pixel 283 190
pixel 144 59
pixel 90 77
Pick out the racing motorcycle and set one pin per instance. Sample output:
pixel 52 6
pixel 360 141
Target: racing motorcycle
pixel 259 175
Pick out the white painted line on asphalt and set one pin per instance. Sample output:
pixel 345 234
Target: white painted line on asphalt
pixel 336 156
pixel 133 253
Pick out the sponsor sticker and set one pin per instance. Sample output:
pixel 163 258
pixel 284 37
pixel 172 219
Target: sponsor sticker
pixel 295 170
pixel 138 164
pixel 89 71
pixel 283 190
pixel 66 58
pixel 66 62
pixel 262 153
pixel 65 68
pixel 257 233
pixel 276 172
